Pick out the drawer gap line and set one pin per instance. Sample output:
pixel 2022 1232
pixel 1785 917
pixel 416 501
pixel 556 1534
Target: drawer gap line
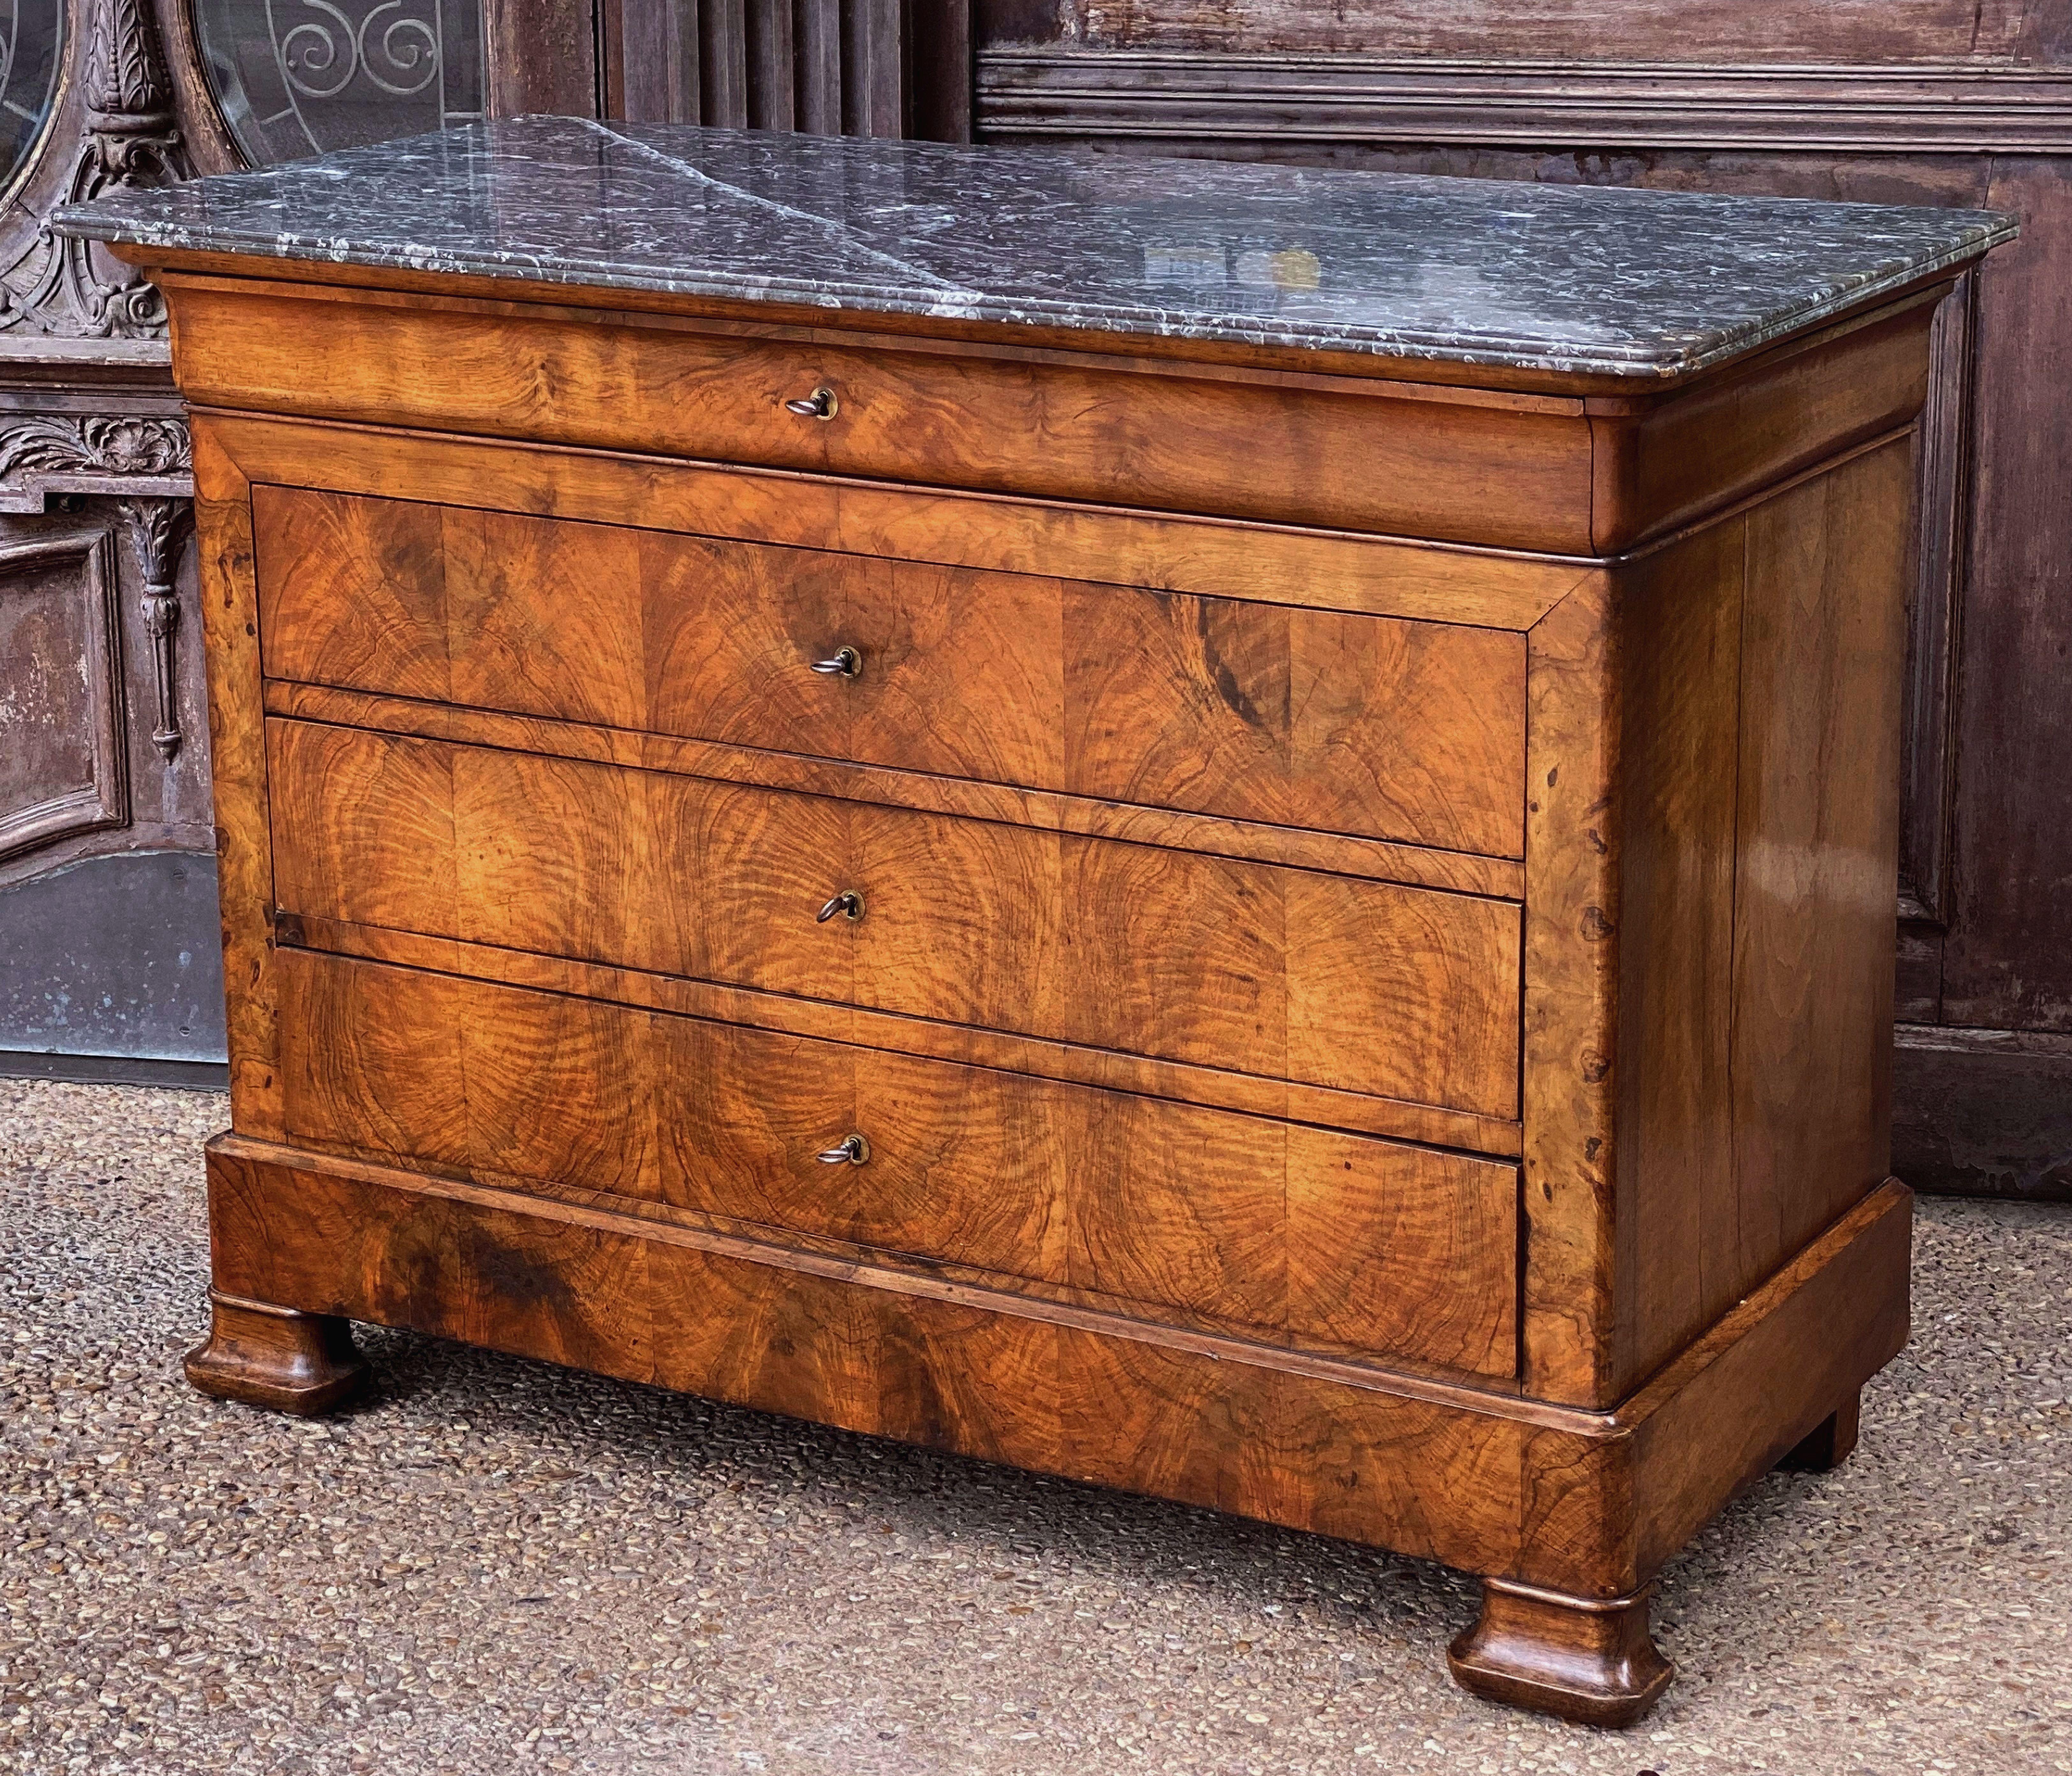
pixel 301 931
pixel 282 705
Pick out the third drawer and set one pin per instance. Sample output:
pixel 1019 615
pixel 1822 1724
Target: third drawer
pixel 1330 980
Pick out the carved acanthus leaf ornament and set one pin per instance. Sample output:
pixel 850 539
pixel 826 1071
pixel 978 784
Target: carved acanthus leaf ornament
pixel 72 289
pixel 156 527
pixel 95 444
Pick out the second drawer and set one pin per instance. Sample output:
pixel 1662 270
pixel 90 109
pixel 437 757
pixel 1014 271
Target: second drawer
pixel 1290 974
pixel 1340 1241
pixel 1369 726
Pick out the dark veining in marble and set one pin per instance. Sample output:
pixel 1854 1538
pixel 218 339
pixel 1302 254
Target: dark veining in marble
pixel 1532 277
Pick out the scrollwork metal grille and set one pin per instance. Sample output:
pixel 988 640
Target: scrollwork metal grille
pixel 297 77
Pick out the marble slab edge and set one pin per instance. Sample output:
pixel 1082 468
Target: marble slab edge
pixel 1493 351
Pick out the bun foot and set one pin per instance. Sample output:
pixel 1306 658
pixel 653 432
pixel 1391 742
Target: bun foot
pixel 1831 1442
pixel 264 1355
pixel 1584 1658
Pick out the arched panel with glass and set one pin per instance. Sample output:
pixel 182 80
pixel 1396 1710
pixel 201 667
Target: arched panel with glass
pixel 31 53
pixel 297 77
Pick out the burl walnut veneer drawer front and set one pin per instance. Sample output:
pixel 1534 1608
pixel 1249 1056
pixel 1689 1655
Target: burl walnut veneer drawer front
pixel 1367 726
pixel 1360 985
pixel 1337 1240
pixel 1511 471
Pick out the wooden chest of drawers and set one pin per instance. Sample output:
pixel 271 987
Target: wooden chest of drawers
pixel 1304 931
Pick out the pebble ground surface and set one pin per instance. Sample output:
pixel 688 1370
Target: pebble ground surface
pixel 495 1566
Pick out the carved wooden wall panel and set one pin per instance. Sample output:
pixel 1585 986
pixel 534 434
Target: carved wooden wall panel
pixel 63 769
pixel 856 67
pixel 107 934
pixel 2008 961
pixel 2010 33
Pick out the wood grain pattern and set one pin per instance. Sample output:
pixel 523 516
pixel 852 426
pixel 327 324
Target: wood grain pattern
pixel 542 56
pixel 1706 934
pixel 1413 866
pixel 1393 731
pixel 1348 458
pixel 1356 986
pixel 1585 1658
pixel 1680 721
pixel 237 749
pixel 264 1355
pixel 1960 32
pixel 1281 565
pixel 1823 635
pixel 1573 848
pixel 1293 717
pixel 1214 1088
pixel 1916 123
pixel 1601 478
pixel 1298 1235
pixel 1663 465
pixel 541 817
pixel 1771 1372
pixel 2005 965
pixel 1571 1500
pixel 374 612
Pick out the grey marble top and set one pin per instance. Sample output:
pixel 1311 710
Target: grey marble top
pixel 1538 278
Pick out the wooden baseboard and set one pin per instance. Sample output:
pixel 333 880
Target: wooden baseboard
pixel 114 1069
pixel 1590 1503
pixel 1982 1112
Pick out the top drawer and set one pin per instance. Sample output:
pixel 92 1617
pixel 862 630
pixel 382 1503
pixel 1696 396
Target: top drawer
pixel 1344 453
pixel 1374 727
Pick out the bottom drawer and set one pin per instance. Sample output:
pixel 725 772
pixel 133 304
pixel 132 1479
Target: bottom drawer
pixel 1300 1234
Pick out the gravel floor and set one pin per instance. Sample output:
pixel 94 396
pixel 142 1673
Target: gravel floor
pixel 496 1566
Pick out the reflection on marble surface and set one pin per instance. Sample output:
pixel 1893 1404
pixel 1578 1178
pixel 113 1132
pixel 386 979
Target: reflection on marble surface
pixel 1534 277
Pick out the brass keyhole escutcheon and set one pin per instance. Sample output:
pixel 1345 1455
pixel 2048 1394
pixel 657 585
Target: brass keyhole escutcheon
pixel 854 1150
pixel 849 902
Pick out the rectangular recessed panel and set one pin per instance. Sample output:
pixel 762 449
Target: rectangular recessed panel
pixel 63 769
